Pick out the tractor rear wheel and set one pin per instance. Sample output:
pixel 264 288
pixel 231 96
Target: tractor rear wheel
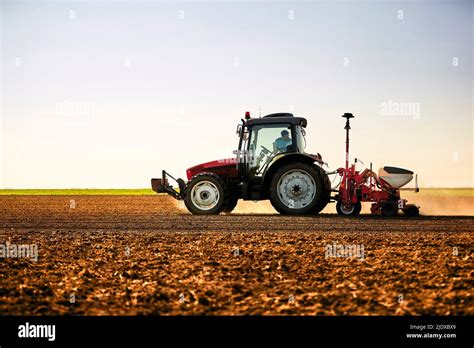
pixel 389 208
pixel 348 209
pixel 206 194
pixel 297 188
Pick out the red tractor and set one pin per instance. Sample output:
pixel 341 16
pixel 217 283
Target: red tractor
pixel 271 163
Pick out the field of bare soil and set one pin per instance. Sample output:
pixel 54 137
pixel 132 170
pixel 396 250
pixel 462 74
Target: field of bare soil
pixel 129 255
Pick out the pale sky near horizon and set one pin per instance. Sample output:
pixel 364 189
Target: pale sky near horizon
pixel 105 94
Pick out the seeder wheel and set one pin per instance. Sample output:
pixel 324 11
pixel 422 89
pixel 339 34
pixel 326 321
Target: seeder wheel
pixel 411 210
pixel 389 208
pixel 348 209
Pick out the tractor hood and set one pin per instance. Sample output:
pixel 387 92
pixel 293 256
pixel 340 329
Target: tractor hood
pixel 225 168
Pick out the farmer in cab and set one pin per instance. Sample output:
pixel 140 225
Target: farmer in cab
pixel 281 143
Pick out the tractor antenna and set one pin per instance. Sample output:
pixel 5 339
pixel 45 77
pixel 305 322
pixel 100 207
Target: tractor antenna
pixel 260 112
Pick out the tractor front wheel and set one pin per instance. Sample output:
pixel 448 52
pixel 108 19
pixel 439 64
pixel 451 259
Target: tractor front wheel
pixel 297 188
pixel 348 209
pixel 205 194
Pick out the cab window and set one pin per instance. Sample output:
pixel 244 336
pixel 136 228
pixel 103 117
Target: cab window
pixel 266 141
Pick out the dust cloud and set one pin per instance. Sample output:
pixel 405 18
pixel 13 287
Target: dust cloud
pixel 430 205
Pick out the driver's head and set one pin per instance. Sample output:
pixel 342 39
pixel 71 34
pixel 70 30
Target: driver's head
pixel 285 134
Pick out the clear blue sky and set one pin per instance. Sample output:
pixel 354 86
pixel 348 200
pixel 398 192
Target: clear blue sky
pixel 106 93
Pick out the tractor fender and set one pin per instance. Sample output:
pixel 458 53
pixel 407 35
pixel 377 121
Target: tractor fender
pixel 279 161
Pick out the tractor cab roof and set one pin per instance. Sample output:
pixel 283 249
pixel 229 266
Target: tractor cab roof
pixel 278 118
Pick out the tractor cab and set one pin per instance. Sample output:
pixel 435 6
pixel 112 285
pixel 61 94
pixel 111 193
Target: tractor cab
pixel 264 140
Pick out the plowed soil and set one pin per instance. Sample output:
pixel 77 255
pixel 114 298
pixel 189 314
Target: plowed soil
pixel 129 255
